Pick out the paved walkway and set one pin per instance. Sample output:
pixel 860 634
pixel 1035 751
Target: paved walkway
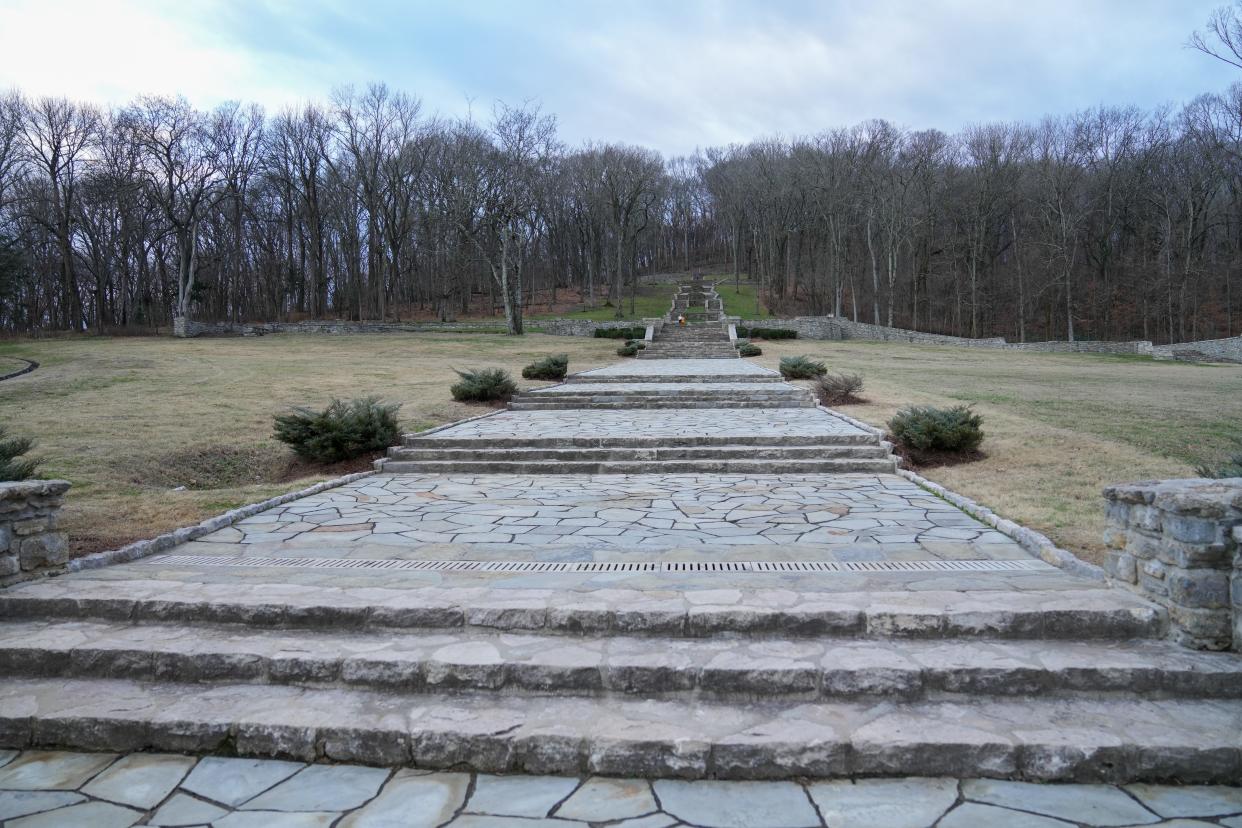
pixel 831 622
pixel 41 789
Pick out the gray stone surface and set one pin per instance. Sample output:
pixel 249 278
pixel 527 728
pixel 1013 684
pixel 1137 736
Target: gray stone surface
pixel 52 770
pixel 1189 800
pixel 322 788
pixel 1080 803
pixel 525 796
pixel 232 781
pixel 92 814
pixel 182 810
pixel 20 803
pixel 883 803
pixel 972 815
pixel 604 799
pixel 413 800
pixel 276 819
pixel 142 780
pixel 737 804
pixel 410 798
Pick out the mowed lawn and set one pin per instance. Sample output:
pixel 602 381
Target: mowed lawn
pixel 1059 427
pixel 128 420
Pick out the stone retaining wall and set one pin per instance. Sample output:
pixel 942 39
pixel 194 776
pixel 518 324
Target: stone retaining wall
pixel 836 328
pixel 187 328
pixel 29 542
pixel 1179 543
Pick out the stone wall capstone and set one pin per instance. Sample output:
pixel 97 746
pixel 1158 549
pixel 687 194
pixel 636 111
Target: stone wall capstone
pixel 1179 543
pixel 29 541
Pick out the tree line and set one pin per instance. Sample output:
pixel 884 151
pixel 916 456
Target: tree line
pixel 1108 223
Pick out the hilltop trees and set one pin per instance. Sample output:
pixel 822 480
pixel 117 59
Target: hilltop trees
pixel 1108 223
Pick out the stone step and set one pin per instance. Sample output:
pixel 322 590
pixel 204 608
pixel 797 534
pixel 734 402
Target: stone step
pixel 1086 613
pixel 1037 739
pixel 637 376
pixel 647 353
pixel 749 391
pixel 527 404
pixel 725 466
pixel 492 452
pixel 417 441
pixel 726 669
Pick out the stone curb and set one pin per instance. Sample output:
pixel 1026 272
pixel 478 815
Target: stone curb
pixel 380 462
pixel 166 541
pixel 1037 544
pixel 1030 540
pixel 30 366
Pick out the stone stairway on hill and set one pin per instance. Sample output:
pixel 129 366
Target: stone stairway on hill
pixel 659 568
pixel 708 340
pixel 697 301
pixel 598 425
pixel 1041 685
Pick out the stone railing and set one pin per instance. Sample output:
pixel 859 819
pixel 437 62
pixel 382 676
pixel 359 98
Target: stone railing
pixel 29 542
pixel 1179 543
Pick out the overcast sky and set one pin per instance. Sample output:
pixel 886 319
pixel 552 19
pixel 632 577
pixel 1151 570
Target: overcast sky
pixel 670 74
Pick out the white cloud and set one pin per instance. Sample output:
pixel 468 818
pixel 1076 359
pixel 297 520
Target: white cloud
pixel 670 75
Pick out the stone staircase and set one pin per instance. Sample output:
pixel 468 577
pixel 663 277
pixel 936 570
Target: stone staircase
pixel 708 340
pixel 696 301
pixel 1054 685
pixel 639 455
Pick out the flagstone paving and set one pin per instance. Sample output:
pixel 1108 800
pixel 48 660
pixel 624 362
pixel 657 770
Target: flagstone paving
pixel 50 789
pixel 680 368
pixel 677 630
pixel 638 422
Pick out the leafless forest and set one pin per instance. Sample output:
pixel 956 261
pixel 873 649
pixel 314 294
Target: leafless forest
pixel 1110 223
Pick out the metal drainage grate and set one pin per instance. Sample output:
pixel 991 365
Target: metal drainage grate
pixel 605 566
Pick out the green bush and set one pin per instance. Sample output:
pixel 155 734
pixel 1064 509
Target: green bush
pixel 12 465
pixel 768 333
pixel 621 333
pixel 1232 467
pixel 925 428
pixel 748 349
pixel 548 368
pixel 836 389
pixel 631 347
pixel 341 431
pixel 802 367
pixel 483 385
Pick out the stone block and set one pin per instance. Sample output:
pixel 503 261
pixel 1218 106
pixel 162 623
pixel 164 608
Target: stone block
pixel 1122 566
pixel 1199 588
pixel 1201 629
pixel 6 538
pixel 1194 555
pixel 9 564
pixel 1142 545
pixel 1195 530
pixel 31 526
pixel 51 549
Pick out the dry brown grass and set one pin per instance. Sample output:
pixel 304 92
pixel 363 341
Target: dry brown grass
pixel 129 419
pixel 1059 426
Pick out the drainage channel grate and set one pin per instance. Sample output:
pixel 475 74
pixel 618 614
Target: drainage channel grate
pixel 606 566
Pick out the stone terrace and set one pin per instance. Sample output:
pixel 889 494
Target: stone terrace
pixel 757 597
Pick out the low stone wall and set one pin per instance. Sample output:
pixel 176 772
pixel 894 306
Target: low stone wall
pixel 1205 350
pixel 1179 543
pixel 187 328
pixel 582 327
pixel 831 327
pixel 29 542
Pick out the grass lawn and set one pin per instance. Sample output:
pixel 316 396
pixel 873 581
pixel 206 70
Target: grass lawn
pixel 127 420
pixel 654 300
pixel 1058 427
